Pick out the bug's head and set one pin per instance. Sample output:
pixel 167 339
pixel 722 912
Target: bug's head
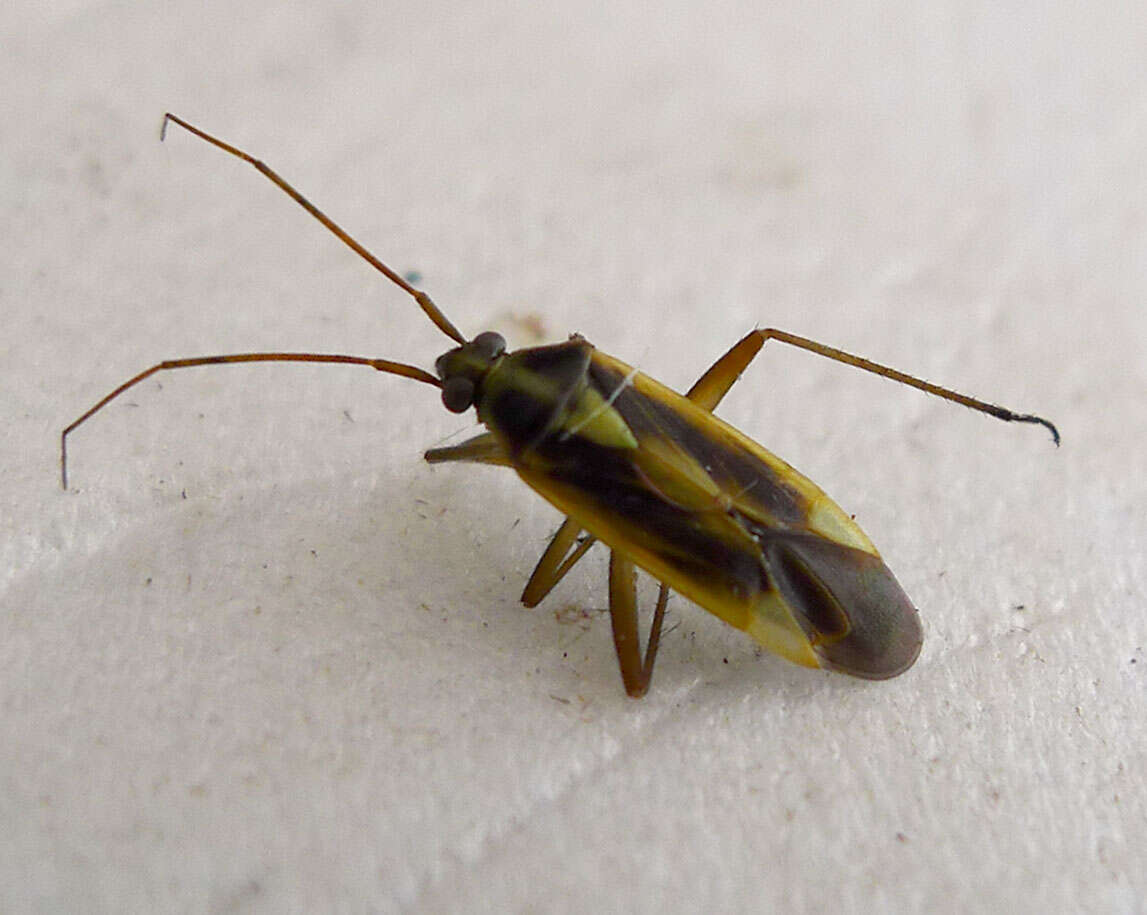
pixel 463 369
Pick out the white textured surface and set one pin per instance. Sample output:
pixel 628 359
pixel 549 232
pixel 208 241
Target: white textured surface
pixel 263 658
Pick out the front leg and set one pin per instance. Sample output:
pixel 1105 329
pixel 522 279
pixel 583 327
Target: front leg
pixel 556 561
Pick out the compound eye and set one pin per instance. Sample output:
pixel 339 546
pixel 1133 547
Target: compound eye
pixel 441 363
pixel 457 394
pixel 489 344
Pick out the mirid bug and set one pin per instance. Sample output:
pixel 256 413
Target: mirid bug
pixel 658 479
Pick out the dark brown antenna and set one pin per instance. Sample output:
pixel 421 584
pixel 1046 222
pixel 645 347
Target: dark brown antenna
pixel 432 311
pixel 383 365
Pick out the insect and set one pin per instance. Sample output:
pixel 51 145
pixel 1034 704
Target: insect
pixel 660 480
